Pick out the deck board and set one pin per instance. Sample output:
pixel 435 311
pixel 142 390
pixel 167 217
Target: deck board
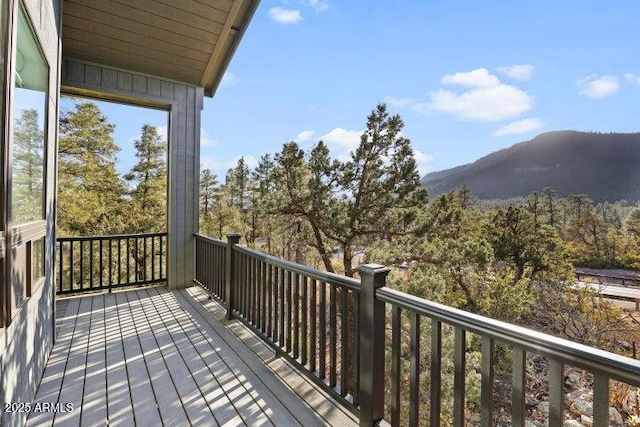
pixel 153 357
pixel 145 409
pixel 119 406
pixel 94 398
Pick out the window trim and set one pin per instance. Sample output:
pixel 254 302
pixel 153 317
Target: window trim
pixel 21 234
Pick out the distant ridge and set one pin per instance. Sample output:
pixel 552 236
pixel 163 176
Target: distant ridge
pixel 606 166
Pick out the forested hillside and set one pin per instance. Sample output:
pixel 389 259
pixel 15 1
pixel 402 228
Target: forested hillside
pixel 602 165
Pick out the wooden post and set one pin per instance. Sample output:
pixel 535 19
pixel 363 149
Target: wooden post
pixel 372 344
pixel 232 240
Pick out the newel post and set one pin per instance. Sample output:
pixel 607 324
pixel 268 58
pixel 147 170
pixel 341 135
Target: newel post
pixel 230 274
pixel 372 337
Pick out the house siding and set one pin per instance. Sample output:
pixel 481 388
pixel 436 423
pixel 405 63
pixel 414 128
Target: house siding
pixel 26 343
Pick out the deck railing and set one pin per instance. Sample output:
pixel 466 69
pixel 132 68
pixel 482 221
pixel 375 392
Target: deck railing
pixel 105 262
pixel 300 311
pixel 407 359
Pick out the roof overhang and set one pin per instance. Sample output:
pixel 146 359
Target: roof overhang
pixel 187 41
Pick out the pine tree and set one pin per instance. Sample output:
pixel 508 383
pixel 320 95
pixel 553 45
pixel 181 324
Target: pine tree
pixel 28 168
pixel 90 191
pixel 148 206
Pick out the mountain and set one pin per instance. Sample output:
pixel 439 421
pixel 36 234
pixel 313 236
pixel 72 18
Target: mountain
pixel 604 166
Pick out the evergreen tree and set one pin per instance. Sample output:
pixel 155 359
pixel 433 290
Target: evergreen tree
pixel 90 191
pixel 148 206
pixel 28 168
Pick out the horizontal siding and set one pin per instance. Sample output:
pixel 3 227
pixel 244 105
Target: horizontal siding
pixel 224 5
pixel 111 44
pixel 168 46
pixel 115 23
pixel 217 11
pixel 142 13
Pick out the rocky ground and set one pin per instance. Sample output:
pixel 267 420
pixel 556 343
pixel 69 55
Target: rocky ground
pixel 579 398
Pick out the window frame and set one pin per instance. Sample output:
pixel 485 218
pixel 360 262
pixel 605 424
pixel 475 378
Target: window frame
pixel 25 234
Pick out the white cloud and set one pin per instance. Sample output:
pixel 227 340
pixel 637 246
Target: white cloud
pixel 598 87
pixel 486 104
pixel 474 78
pixel 423 162
pixel 303 136
pixel 518 72
pixel 400 102
pixel 633 78
pixel 206 140
pixel 285 16
pixel 521 126
pixel 228 78
pixel 319 5
pixel 341 142
pixel 484 98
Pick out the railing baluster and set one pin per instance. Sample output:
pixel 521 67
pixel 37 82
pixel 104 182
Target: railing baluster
pixel 356 351
pixel 296 315
pixel 288 307
pixel 276 299
pixel 270 295
pixel 162 242
pixel 313 321
pixel 459 362
pixel 281 293
pixel 344 341
pixel 153 257
pixel 144 255
pixel 254 291
pixel 333 338
pixel 60 264
pixel 71 266
pixel 81 272
pixel 436 364
pixel 128 260
pixel 486 387
pixel 519 387
pixel 600 399
pixel 305 320
pixel 556 396
pixel 255 302
pixel 101 268
pixel 81 265
pixel 110 263
pixel 414 370
pixel 245 286
pixel 323 331
pixel 395 365
pixel 263 300
pixel 90 264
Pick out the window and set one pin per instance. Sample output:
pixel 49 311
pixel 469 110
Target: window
pixel 23 263
pixel 29 114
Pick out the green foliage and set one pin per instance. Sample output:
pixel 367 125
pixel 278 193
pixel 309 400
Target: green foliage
pixel 147 205
pixel 93 199
pixel 91 193
pixel 28 168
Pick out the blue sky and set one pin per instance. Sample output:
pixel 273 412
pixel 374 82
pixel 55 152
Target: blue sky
pixel 467 77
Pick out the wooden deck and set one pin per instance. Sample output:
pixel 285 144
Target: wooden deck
pixel 153 357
